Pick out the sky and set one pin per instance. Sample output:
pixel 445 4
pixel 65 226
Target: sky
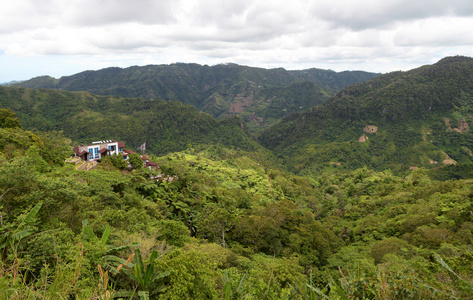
pixel 64 37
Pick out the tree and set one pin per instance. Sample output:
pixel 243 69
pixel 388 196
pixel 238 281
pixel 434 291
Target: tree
pixel 215 222
pixel 56 147
pixel 135 161
pixel 8 119
pixel 118 162
pixel 193 273
pixel 36 161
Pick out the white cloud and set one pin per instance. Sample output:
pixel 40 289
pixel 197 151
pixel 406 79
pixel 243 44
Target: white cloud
pixel 363 14
pixel 338 34
pixel 23 14
pixel 436 32
pixel 103 12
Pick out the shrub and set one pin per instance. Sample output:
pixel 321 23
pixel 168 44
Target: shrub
pixel 391 245
pixel 135 161
pixel 118 162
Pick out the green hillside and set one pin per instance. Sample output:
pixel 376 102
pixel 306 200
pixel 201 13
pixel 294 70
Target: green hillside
pixel 225 227
pixel 220 90
pixel 164 126
pixel 379 205
pixel 400 120
pixel 332 80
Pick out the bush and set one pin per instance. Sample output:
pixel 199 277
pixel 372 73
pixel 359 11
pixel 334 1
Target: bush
pixel 174 233
pixel 391 245
pixel 118 162
pixel 135 161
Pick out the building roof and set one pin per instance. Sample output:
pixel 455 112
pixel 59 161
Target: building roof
pixel 83 152
pixel 121 144
pixel 101 151
pixel 128 151
pixel 151 163
pixel 103 142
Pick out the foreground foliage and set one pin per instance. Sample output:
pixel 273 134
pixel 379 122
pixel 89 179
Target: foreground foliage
pixel 227 227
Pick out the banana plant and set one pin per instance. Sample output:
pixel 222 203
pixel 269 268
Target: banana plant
pixel 232 291
pixel 309 292
pixel 12 237
pixel 89 235
pixel 145 276
pixel 108 257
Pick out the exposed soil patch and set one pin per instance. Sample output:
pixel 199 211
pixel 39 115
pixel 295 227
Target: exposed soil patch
pixel 468 150
pixel 449 161
pixel 237 107
pixel 447 123
pixel 370 129
pixel 255 118
pixel 463 126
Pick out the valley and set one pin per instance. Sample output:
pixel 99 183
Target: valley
pixel 259 96
pixel 305 184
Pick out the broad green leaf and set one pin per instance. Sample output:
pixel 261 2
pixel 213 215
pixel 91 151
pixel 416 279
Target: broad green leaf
pixel 17 236
pixel 105 236
pixel 89 233
pixel 32 214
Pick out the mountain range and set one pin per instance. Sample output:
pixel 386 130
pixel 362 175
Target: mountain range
pixel 166 126
pixel 259 96
pixel 367 195
pixel 398 121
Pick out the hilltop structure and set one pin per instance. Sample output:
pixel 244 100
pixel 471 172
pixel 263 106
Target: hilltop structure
pixel 98 149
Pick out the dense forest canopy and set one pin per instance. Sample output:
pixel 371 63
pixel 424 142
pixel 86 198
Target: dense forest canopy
pixel 222 217
pixel 400 120
pixel 84 117
pixel 259 96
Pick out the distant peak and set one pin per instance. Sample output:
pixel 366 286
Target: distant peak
pixel 455 59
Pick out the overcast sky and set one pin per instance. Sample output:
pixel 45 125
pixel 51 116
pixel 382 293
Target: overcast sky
pixel 63 37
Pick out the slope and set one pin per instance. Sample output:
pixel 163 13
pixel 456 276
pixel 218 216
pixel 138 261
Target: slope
pixel 220 90
pixel 357 235
pixel 164 126
pixel 399 120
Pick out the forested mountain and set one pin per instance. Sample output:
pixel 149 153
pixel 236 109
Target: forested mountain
pixel 259 96
pixel 84 117
pixel 231 223
pixel 226 227
pixel 401 120
pixel 10 82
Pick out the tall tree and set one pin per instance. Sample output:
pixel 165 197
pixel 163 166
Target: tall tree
pixel 8 119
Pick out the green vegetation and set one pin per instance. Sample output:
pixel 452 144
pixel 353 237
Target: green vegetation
pixel 164 126
pixel 135 161
pixel 222 218
pixel 259 96
pixel 227 227
pixel 419 118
